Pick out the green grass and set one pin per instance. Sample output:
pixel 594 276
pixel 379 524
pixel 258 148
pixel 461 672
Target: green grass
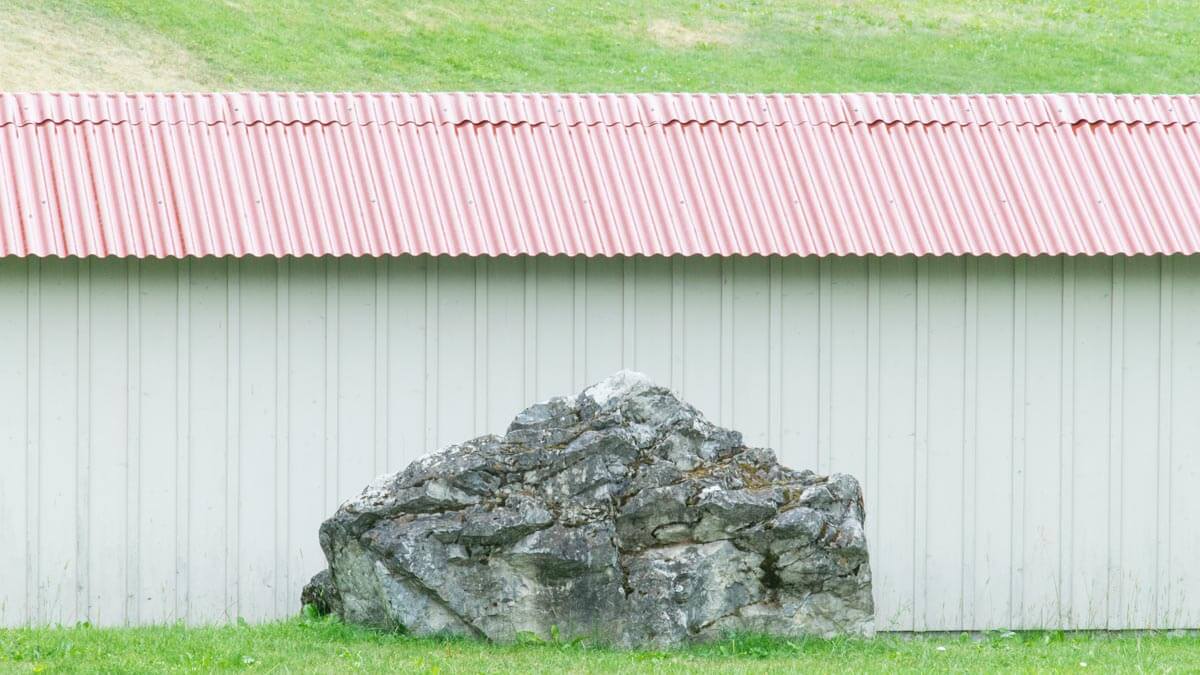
pixel 304 645
pixel 633 45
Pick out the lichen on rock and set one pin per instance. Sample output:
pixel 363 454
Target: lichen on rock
pixel 620 515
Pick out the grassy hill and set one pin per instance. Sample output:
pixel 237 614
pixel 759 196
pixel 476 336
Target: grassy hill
pixel 596 45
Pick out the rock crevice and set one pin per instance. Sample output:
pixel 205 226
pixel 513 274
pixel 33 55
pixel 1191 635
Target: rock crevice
pixel 620 515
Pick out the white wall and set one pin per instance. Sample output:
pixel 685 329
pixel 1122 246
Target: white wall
pixel 1028 431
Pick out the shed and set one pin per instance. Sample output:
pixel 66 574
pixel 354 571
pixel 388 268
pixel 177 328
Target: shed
pixel 222 314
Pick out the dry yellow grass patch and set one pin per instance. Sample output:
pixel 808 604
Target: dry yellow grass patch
pixel 884 18
pixel 44 50
pixel 672 34
pixel 430 17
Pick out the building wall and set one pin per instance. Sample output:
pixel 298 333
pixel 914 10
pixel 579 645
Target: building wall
pixel 1027 430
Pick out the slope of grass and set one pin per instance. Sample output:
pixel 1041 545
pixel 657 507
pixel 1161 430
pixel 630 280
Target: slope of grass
pixel 48 48
pixel 632 45
pixel 328 646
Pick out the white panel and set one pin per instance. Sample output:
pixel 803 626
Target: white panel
pixel 332 383
pixel 603 309
pixel 846 352
pixel 159 468
pixel 920 464
pixel 176 431
pixel 183 442
pixel 1163 494
pixel 14 452
pixel 479 378
pixel 456 325
pixel 970 439
pixel 798 318
pixel 555 326
pixel 307 377
pixel 233 433
pixel 505 343
pixel 83 466
pixel 406 361
pixel 356 373
pixel 208 466
pixel 652 322
pixel 33 441
pixel 894 496
pixel 281 479
pixel 1185 442
pixel 380 365
pixel 1137 564
pixel 994 444
pixel 1043 540
pixel 702 334
pixel 1090 470
pixel 751 349
pixel 945 487
pixel 113 449
pixel 257 499
pixel 56 553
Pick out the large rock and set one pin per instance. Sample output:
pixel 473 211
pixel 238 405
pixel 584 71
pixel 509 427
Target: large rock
pixel 620 515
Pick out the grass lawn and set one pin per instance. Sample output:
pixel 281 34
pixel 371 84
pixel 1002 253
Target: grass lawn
pixel 603 45
pixel 304 645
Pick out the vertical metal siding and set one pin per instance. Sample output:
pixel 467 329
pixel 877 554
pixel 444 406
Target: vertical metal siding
pixel 173 432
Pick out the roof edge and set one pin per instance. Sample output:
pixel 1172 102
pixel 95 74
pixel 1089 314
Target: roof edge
pixel 593 109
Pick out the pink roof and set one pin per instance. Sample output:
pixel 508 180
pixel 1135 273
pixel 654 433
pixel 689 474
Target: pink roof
pixel 495 174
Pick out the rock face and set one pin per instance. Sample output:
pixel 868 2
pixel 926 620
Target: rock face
pixel 619 515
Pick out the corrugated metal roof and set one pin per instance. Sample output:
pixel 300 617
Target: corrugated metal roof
pixel 493 174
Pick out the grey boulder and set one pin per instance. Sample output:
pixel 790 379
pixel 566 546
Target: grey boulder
pixel 620 515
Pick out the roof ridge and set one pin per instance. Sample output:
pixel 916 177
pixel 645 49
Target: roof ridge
pixel 614 108
pixel 607 125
